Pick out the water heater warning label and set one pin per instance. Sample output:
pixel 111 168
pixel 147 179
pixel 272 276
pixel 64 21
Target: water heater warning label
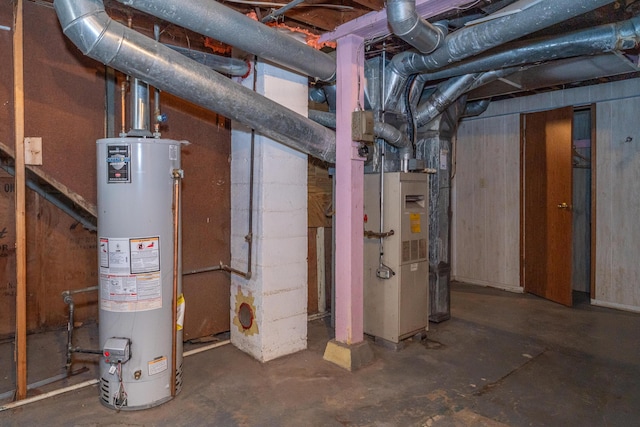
pixel 145 255
pixel 130 293
pixel 114 255
pixel 158 365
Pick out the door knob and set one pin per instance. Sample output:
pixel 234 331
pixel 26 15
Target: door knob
pixel 563 205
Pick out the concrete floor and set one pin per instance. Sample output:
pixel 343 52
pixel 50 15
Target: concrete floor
pixel 503 359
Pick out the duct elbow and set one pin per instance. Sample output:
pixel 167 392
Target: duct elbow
pixel 391 135
pixel 85 23
pixel 395 83
pixel 82 22
pixel 628 34
pixel 317 95
pixel 410 27
pixel 475 108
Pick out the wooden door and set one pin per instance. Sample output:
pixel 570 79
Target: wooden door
pixel 546 208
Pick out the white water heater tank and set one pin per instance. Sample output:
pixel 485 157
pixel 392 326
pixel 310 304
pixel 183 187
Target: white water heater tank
pixel 137 191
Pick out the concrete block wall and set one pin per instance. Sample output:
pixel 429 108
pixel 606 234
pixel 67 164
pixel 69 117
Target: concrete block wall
pixel 277 290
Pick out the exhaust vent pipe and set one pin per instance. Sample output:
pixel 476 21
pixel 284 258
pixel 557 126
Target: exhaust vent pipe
pixel 87 24
pixel 219 22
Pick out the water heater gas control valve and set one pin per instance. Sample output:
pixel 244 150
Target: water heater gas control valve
pixel 117 350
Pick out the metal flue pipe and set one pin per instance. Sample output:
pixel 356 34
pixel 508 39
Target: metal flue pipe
pixel 410 27
pixel 475 39
pixel 605 38
pixel 86 23
pixel 212 19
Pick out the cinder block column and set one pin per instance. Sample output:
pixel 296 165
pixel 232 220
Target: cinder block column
pixel 269 310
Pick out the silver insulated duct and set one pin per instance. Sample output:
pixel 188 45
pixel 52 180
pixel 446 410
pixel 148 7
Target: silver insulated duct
pixel 450 90
pixel 623 35
pixel 410 27
pixel 214 20
pixel 475 39
pixel 445 95
pixel 87 24
pixel 478 38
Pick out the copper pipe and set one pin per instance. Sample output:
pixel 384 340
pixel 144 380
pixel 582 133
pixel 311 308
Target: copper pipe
pixel 174 300
pixel 123 108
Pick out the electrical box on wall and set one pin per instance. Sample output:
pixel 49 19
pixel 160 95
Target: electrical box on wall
pixel 362 126
pixel 396 305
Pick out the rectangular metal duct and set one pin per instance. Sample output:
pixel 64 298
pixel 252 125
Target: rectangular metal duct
pixel 558 73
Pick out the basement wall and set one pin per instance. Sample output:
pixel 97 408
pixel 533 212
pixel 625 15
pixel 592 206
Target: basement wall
pixel 65 105
pixel 486 191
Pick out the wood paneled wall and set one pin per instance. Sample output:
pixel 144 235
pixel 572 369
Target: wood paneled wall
pixel 618 203
pixel 486 191
pixel 486 202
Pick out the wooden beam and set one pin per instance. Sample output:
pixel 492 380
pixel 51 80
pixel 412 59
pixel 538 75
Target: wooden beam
pixel 371 4
pixel 20 205
pixel 325 19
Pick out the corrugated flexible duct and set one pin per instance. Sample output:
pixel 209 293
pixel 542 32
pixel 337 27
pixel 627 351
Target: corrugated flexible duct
pixel 219 22
pixel 481 37
pixel 86 23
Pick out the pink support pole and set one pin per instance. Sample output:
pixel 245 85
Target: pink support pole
pixel 349 194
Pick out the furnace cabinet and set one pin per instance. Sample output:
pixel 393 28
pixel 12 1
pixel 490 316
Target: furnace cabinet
pixel 396 307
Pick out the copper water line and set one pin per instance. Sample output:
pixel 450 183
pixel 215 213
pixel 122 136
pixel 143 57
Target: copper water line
pixel 123 108
pixel 176 175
